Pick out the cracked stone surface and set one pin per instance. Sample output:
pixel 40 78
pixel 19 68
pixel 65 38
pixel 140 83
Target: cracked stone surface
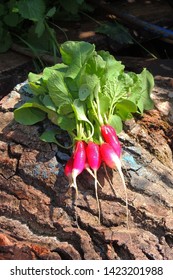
pixel 37 211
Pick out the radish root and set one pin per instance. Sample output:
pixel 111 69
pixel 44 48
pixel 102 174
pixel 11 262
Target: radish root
pixel 74 185
pixel 93 175
pixel 96 193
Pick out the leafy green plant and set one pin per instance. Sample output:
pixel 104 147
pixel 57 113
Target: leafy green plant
pixel 116 32
pixel 26 20
pixel 70 10
pixel 29 22
pixel 85 91
pixel 120 34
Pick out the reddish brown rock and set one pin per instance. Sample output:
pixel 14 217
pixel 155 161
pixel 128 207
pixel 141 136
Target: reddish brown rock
pixel 37 207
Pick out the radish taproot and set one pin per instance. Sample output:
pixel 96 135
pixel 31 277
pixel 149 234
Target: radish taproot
pixel 94 162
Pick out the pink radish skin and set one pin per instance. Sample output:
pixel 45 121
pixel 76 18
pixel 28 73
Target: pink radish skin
pixel 111 159
pixel 68 168
pixel 79 160
pixel 94 162
pixel 109 156
pixel 93 155
pixel 110 136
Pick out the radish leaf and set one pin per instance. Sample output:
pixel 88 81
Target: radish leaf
pixel 147 81
pixel 49 136
pixel 29 115
pixel 116 122
pixel 84 92
pixel 75 54
pixel 58 90
pixel 66 124
pixel 47 102
pixel 124 108
pixel 65 109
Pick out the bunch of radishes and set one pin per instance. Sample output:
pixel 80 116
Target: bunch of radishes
pixel 90 155
pixel 89 95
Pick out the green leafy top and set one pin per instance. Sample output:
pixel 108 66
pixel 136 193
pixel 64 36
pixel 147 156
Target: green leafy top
pixel 86 90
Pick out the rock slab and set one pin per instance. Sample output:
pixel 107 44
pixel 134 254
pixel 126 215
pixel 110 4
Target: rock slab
pixel 37 208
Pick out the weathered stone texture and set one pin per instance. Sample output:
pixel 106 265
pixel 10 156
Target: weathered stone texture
pixel 37 211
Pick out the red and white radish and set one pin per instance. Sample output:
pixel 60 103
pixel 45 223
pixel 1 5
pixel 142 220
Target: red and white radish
pixel 94 162
pixel 110 136
pixel 74 166
pixel 79 160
